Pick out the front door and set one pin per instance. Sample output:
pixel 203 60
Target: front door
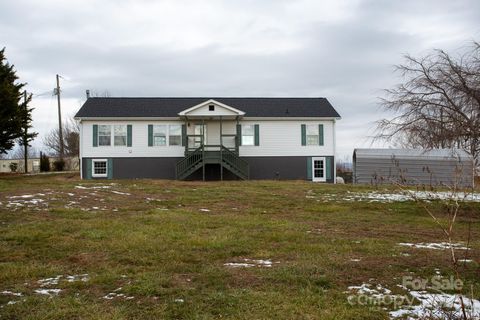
pixel 318 169
pixel 200 132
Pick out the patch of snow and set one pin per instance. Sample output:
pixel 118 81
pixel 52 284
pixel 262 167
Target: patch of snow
pixel 113 295
pixel 248 263
pixel 48 292
pixel 239 265
pixel 408 195
pixel 465 260
pixel 432 305
pixel 69 278
pixel 204 210
pixel 367 288
pixel 11 293
pixel 438 306
pixel 122 193
pixel 94 187
pixel 78 277
pixel 179 300
pixel 434 245
pixel 49 281
pixel 355 260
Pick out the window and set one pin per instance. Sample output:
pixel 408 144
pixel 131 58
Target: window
pixel 248 135
pixel 211 107
pixel 120 135
pixel 312 135
pixel 159 135
pixel 99 168
pixel 104 135
pixel 175 135
pixel 318 169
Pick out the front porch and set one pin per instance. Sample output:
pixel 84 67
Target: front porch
pixel 212 136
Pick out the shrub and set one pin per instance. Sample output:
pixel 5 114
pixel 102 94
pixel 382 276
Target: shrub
pixel 59 165
pixel 13 166
pixel 44 163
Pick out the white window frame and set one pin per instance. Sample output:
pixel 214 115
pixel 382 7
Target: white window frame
pixel 252 143
pixel 99 175
pixel 170 135
pixel 315 129
pixel 166 135
pixel 114 135
pixel 110 136
pixel 319 179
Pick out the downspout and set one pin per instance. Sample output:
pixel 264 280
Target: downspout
pixel 80 154
pixel 334 153
pixel 221 150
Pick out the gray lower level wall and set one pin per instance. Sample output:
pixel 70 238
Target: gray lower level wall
pixel 268 168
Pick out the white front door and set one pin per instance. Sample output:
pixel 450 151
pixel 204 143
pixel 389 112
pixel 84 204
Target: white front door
pixel 318 169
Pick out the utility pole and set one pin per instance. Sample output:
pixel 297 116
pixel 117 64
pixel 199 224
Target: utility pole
pixel 25 134
pixel 60 131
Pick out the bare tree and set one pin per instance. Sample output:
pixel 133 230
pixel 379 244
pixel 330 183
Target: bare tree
pixel 438 105
pixel 71 134
pixel 100 94
pixel 19 152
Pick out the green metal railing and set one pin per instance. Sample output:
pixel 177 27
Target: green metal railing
pixel 233 160
pixel 190 161
pixel 204 154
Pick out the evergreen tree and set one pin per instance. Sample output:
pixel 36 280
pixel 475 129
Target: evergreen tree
pixel 10 105
pixel 26 136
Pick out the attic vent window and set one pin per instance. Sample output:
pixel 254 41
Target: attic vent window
pixel 211 107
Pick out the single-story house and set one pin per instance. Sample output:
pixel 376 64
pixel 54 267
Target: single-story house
pixel 208 138
pixel 434 167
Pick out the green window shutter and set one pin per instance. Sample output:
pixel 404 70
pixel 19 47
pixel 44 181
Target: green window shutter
pixel 320 134
pixel 309 168
pixel 109 168
pixel 95 135
pixel 184 135
pixel 329 167
pixel 150 135
pixel 304 135
pixel 257 134
pixel 88 171
pixel 129 135
pixel 239 134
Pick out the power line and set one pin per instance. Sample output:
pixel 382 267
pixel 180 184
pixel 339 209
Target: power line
pixel 43 93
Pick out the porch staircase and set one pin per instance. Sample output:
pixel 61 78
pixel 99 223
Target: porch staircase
pixel 198 158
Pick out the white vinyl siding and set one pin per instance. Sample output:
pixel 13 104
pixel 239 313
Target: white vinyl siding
pixel 283 138
pixel 139 146
pixel 277 138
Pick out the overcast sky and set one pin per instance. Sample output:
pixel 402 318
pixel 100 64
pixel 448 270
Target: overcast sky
pixel 341 50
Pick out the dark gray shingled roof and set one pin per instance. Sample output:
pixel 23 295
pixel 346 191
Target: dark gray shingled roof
pixel 170 107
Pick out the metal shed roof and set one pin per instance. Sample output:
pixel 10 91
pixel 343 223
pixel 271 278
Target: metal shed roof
pixel 414 154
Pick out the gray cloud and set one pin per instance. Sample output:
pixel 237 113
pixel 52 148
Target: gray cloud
pixel 343 50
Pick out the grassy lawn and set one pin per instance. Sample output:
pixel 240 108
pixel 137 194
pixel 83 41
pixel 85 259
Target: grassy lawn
pixel 152 249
